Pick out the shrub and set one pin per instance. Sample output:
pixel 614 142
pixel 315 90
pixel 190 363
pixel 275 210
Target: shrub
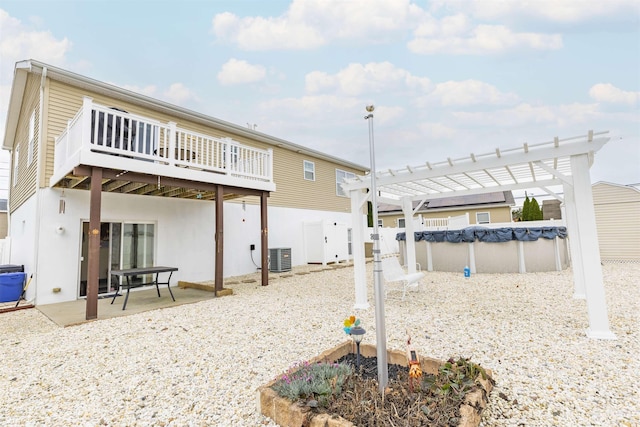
pixel 318 381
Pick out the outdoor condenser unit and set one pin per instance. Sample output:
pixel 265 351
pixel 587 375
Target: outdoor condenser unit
pixel 280 259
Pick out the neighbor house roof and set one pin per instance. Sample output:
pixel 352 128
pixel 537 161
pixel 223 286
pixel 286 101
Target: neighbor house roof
pixel 497 198
pixel 23 68
pixel 635 187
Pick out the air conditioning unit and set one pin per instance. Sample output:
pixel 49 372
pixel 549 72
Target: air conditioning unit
pixel 279 260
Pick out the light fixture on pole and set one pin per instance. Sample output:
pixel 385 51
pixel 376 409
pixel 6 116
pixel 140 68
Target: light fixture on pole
pixel 381 334
pixel 357 333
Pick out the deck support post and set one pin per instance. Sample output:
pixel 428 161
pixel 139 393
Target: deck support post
pixel 219 273
pixel 264 239
pixel 93 267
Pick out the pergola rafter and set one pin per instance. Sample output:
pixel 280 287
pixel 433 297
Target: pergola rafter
pixel 564 162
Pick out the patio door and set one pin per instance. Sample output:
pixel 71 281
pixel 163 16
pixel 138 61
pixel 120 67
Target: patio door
pixel 122 245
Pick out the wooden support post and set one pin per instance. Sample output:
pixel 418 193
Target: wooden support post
pixel 219 274
pixel 93 267
pixel 264 239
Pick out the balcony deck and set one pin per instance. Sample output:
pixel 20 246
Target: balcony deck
pixel 144 156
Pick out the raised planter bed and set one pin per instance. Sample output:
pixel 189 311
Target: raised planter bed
pixel 291 414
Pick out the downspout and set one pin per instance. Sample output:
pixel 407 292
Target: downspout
pixel 42 141
pixel 10 184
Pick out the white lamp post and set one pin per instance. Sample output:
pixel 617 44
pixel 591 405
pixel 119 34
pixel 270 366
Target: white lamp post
pixel 381 334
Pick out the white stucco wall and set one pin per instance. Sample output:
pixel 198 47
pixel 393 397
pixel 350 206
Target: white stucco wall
pixel 185 231
pixel 22 235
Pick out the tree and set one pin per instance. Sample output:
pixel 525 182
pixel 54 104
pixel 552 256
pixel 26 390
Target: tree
pixel 525 209
pixel 535 213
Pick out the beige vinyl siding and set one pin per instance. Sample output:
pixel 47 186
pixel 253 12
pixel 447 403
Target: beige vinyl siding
pixel 26 180
pixel 617 210
pixel 4 225
pixel 496 214
pixel 292 190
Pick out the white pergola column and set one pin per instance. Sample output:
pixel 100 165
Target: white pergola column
pixel 429 257
pixel 522 265
pixel 472 257
pixel 358 198
pixel 407 210
pixel 574 242
pixel 589 249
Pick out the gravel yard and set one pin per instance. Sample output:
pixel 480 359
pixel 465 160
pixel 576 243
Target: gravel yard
pixel 200 364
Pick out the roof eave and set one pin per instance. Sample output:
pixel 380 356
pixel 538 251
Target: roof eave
pixel 20 74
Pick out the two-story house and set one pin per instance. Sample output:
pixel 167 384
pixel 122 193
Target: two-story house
pixel 103 179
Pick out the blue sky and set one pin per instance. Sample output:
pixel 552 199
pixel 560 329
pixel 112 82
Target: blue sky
pixel 447 77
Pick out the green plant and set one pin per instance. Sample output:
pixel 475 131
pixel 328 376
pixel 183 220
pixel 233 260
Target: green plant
pixel 313 381
pixel 455 378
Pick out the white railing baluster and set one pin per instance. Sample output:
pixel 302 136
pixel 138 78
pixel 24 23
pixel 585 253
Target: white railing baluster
pixel 174 135
pixel 102 129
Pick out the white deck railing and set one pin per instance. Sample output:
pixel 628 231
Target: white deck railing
pixel 116 132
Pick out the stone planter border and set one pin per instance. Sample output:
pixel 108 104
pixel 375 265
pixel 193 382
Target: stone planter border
pixel 288 414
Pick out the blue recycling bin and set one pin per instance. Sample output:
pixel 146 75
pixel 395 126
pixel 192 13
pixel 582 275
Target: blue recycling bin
pixel 11 285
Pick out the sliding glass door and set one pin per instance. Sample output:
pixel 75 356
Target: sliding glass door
pixel 138 241
pixel 122 245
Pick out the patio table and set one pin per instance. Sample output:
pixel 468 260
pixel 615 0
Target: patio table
pixel 130 272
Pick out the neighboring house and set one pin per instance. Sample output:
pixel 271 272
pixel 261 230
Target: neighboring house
pixel 617 209
pixel 480 208
pixel 167 186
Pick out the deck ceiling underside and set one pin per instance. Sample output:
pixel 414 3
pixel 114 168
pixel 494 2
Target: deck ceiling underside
pixel 123 182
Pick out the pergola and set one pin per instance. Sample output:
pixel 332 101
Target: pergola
pixel 560 162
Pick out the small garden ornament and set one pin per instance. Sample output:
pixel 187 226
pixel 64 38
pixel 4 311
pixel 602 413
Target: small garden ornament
pixel 352 327
pixel 415 370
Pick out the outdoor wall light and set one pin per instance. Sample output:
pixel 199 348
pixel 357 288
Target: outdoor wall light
pixel 357 333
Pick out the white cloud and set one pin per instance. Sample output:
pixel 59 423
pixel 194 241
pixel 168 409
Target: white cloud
pixel 178 94
pixel 526 114
pixel 358 79
pixel 236 71
pixel 309 24
pixel 606 92
pixel 149 90
pixel 312 107
pixel 449 26
pixel 436 131
pixel 565 11
pixel 257 33
pixel 20 42
pixel 470 92
pixel 482 39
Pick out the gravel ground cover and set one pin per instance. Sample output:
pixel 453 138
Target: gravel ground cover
pixel 200 364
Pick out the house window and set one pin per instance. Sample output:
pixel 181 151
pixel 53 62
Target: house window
pixel 380 225
pixel 32 132
pixel 482 218
pixel 16 162
pixel 400 222
pixel 309 170
pixel 341 176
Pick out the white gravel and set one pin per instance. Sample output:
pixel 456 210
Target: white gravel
pixel 200 364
